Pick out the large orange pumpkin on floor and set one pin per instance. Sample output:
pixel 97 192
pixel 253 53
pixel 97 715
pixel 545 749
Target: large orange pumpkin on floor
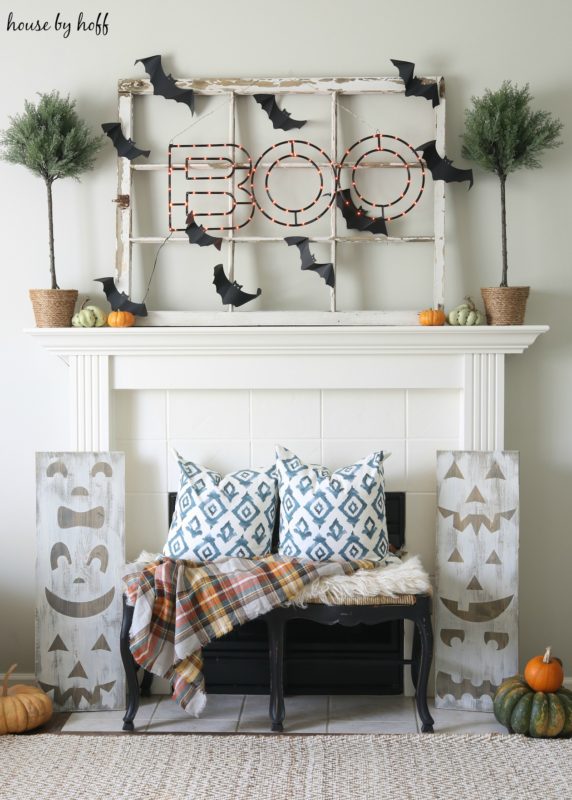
pixel 431 316
pixel 22 708
pixel 544 673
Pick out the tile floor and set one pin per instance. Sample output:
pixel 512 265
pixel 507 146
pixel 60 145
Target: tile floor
pixel 234 713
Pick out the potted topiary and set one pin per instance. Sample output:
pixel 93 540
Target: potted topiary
pixel 503 134
pixel 52 142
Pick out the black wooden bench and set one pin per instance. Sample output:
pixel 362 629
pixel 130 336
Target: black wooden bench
pixel 363 611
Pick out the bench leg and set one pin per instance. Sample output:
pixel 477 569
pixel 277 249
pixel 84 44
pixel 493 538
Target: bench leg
pixel 420 674
pixel 415 656
pixel 146 683
pixel 130 669
pixel 276 642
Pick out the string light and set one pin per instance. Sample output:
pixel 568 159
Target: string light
pixel 378 136
pixel 243 186
pixel 293 147
pixel 321 202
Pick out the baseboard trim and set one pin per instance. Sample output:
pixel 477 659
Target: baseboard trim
pixel 20 677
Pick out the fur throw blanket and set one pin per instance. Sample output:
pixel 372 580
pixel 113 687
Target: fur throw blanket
pixel 392 577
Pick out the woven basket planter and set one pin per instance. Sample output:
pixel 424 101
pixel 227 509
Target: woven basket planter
pixel 53 308
pixel 505 305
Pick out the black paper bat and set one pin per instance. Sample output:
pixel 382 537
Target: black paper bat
pixel 442 169
pixel 119 300
pixel 125 147
pixel 165 85
pixel 198 235
pixel 279 117
pixel 326 271
pixel 415 86
pixel 231 291
pixel 357 218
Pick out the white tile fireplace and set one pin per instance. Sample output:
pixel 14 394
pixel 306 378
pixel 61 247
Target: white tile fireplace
pixel 226 396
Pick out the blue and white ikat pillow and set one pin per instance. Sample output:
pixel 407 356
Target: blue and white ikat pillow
pixel 336 516
pixel 219 516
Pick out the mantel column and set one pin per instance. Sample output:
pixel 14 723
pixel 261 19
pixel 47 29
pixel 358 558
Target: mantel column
pixel 89 402
pixel 483 408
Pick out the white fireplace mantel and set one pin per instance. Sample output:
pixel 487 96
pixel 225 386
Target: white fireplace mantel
pixel 106 360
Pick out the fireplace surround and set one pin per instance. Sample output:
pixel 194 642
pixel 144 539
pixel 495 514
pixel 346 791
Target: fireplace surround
pixel 231 393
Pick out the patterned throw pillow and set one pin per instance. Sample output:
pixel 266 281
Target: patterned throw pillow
pixel 332 516
pixel 218 516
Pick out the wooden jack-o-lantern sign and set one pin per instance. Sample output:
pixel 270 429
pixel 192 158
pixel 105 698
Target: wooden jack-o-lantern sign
pixel 477 579
pixel 80 500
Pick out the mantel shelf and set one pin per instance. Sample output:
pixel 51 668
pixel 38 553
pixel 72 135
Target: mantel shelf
pixel 282 340
pixel 103 361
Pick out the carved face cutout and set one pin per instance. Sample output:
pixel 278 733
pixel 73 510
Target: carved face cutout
pixel 78 577
pixel 477 519
pixel 77 680
pixel 77 686
pixel 82 516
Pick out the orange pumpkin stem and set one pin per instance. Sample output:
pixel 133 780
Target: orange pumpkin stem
pixel 6 679
pixel 547 655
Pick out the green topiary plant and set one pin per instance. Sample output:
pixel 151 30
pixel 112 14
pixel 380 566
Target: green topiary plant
pixel 52 142
pixel 503 134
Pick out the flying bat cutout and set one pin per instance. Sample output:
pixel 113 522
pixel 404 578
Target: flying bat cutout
pixel 279 117
pixel 357 218
pixel 230 291
pixel 126 148
pixel 119 300
pixel 198 235
pixel 415 87
pixel 165 85
pixel 442 169
pixel 325 271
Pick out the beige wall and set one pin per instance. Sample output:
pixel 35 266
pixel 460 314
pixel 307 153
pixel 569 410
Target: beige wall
pixel 474 46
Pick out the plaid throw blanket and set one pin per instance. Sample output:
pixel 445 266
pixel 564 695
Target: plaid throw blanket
pixel 181 606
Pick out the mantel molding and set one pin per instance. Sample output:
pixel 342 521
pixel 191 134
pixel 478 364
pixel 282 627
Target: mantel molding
pixel 276 341
pixel 105 360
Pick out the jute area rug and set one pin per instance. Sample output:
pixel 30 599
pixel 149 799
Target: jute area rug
pixel 360 767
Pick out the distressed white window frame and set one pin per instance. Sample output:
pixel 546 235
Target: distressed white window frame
pixel 333 87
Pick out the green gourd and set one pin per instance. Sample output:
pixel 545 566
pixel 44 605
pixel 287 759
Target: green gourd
pixel 89 317
pixel 466 314
pixel 538 714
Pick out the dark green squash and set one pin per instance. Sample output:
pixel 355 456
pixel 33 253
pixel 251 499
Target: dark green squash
pixel 566 700
pixel 520 717
pixel 537 714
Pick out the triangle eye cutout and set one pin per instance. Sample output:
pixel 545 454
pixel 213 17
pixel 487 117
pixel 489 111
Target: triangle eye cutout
pixel 475 496
pixel 495 472
pixel 101 644
pixel 493 558
pixel 456 557
pixel 454 472
pixel 57 644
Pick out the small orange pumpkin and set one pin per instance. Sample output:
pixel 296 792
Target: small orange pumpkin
pixel 432 316
pixel 544 673
pixel 22 708
pixel 121 319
